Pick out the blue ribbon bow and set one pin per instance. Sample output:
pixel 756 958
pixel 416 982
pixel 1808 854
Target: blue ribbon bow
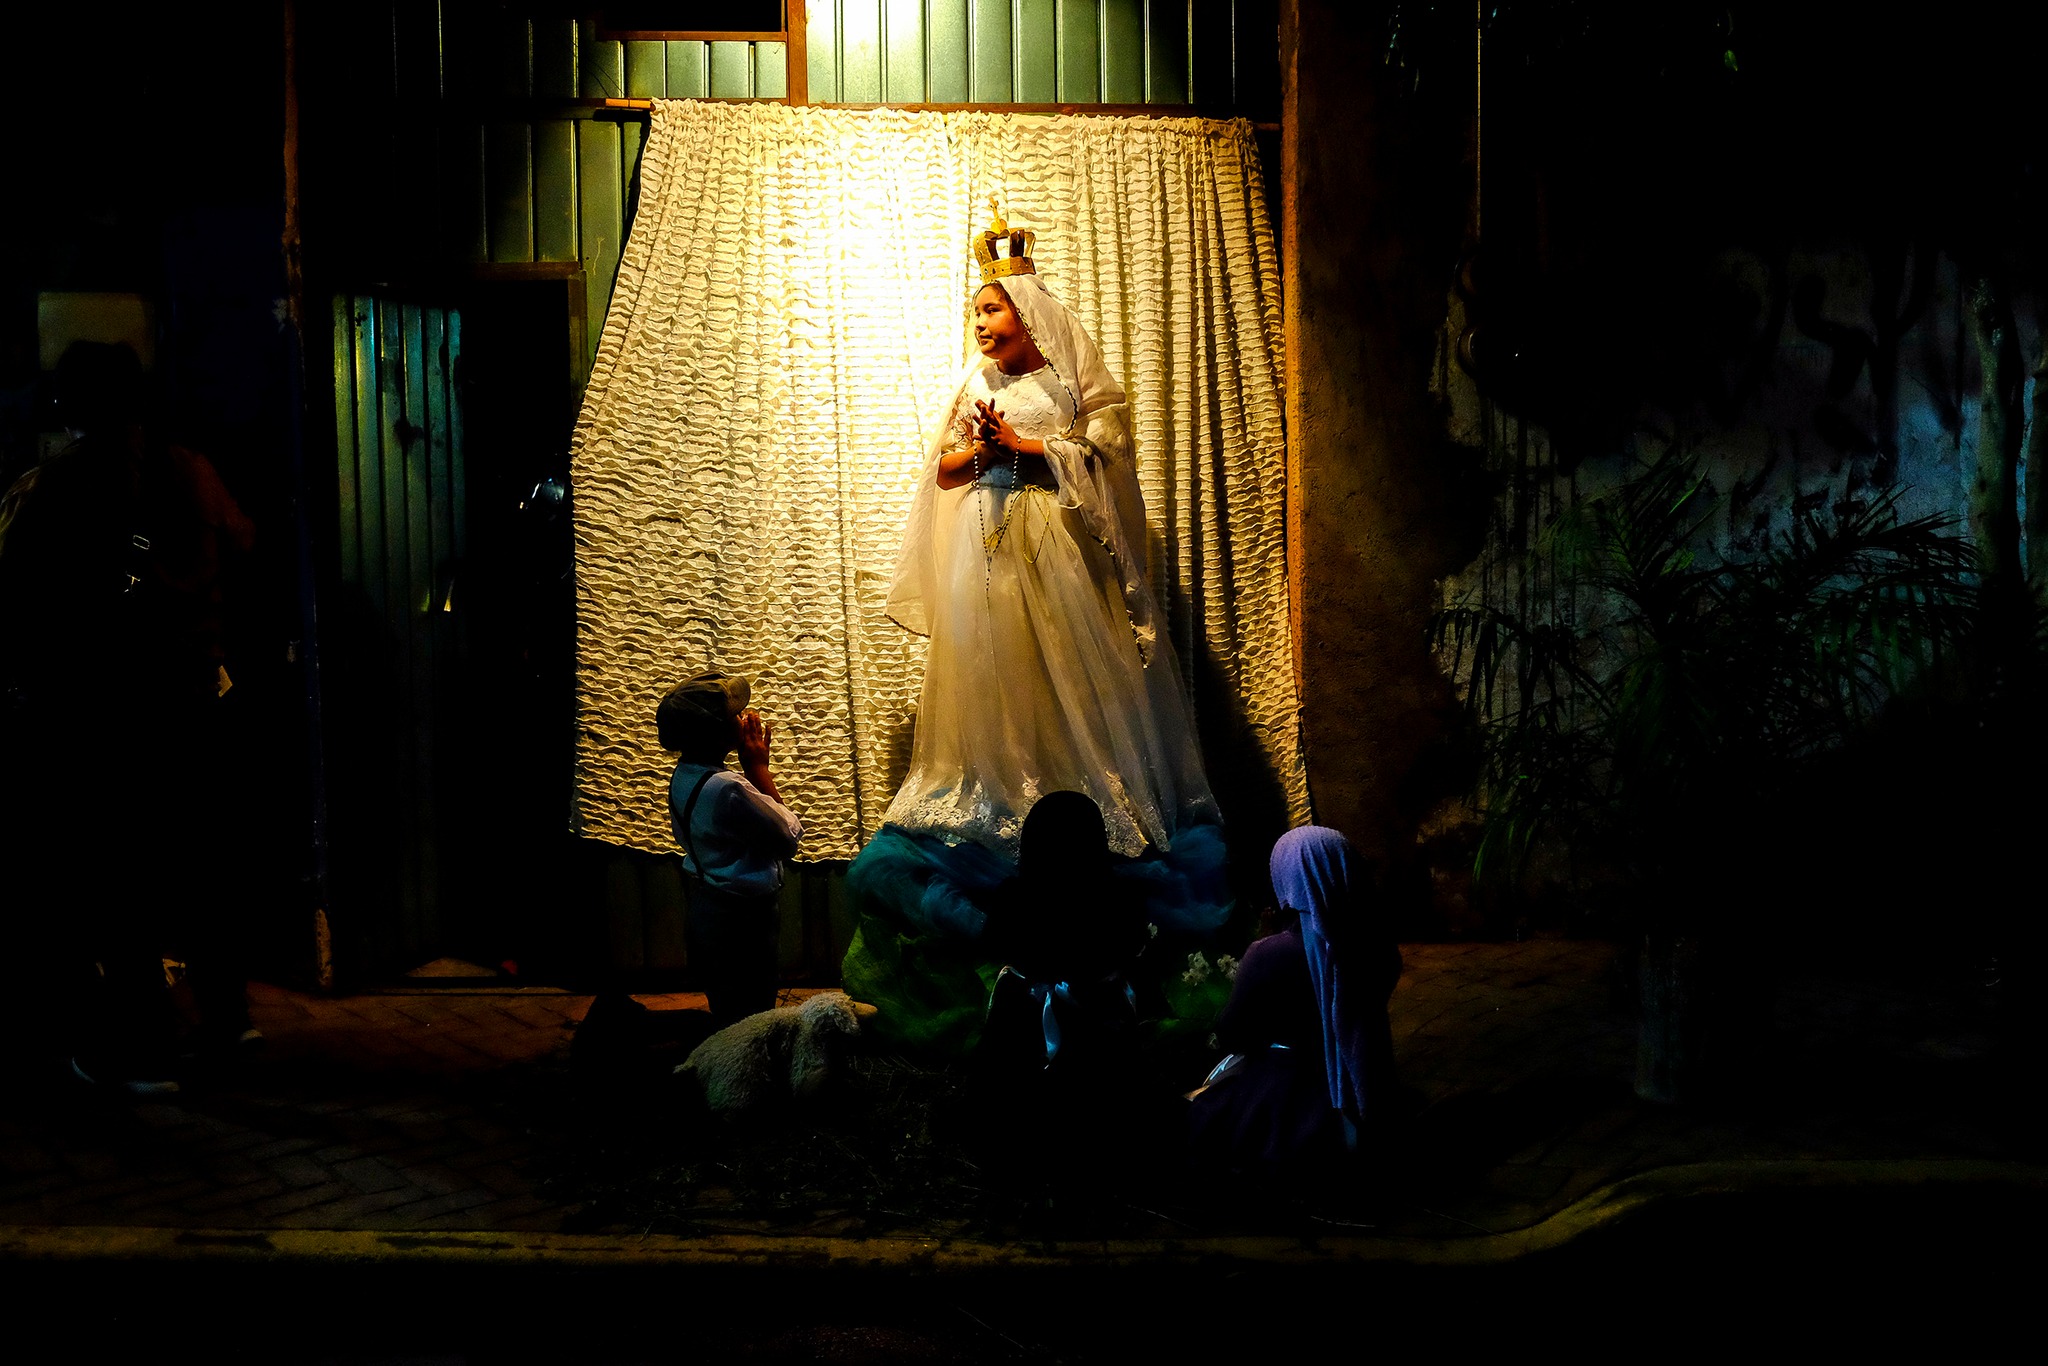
pixel 1046 994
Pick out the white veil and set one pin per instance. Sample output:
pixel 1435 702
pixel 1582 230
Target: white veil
pixel 1093 461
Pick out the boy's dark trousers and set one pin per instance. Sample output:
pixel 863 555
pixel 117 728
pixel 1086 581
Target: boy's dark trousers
pixel 732 945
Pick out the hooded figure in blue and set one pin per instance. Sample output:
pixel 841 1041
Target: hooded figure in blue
pixel 1311 1065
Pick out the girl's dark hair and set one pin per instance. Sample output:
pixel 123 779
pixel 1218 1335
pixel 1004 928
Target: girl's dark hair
pixel 99 386
pixel 1063 835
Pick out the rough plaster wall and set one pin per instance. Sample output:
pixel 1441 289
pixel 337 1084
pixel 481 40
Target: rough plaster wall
pixel 1794 441
pixel 1800 439
pixel 1376 482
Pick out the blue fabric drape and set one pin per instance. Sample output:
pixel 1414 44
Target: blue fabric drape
pixel 1316 872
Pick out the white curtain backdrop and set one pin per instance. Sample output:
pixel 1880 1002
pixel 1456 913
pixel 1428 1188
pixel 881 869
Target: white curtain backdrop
pixel 790 311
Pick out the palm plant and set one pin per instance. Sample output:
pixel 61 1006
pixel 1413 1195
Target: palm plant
pixel 1665 697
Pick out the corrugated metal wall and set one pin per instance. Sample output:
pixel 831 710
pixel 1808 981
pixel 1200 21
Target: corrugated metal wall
pixel 520 181
pixel 400 534
pixel 1032 51
pixel 475 143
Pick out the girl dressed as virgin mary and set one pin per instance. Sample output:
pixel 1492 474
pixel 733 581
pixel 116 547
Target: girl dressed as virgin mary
pixel 1024 562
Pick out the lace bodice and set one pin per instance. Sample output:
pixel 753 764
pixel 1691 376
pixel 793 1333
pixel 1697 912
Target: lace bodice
pixel 1037 404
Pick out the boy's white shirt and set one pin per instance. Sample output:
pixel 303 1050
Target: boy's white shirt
pixel 740 834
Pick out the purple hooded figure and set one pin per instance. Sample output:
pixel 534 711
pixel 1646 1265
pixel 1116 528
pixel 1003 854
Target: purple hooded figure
pixel 1311 1062
pixel 1351 961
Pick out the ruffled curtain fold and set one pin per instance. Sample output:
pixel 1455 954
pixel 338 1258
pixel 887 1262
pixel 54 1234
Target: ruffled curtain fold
pixel 789 317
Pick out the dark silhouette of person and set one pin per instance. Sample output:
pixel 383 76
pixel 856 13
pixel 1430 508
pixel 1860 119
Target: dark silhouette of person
pixel 112 560
pixel 1052 1080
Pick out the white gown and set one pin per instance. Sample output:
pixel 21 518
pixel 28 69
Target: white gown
pixel 1035 680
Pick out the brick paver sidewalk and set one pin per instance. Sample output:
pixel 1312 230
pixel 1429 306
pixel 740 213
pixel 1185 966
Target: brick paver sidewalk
pixel 362 1112
pixel 389 1111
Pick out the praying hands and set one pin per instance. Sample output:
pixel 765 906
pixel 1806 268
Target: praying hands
pixel 989 440
pixel 995 429
pixel 964 463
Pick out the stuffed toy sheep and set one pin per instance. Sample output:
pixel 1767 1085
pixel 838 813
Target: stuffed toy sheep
pixel 781 1053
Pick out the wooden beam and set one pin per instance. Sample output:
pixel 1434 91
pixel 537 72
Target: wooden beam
pixel 579 325
pixel 306 649
pixel 615 107
pixel 445 284
pixel 1157 111
pixel 517 271
pixel 1290 286
pixel 293 242
pixel 656 35
pixel 796 51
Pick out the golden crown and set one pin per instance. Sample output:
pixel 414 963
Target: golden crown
pixel 1018 262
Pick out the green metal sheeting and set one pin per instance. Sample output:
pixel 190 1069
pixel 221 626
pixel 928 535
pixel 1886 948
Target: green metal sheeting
pixel 399 433
pixel 401 532
pixel 559 187
pixel 1041 51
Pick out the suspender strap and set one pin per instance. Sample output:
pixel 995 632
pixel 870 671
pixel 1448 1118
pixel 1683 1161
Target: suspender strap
pixel 683 827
